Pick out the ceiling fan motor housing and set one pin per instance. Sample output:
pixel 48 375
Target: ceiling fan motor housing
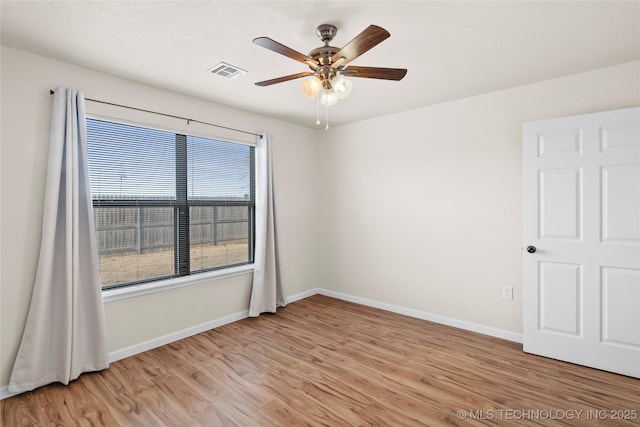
pixel 324 54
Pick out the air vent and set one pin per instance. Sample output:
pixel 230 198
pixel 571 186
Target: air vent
pixel 227 70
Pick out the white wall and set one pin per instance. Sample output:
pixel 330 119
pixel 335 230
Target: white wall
pixel 26 108
pixel 422 209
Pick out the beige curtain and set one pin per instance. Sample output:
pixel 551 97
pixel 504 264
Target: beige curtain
pixel 65 330
pixel 267 292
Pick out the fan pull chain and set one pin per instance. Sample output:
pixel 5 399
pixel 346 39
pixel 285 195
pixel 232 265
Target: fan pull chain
pixel 317 111
pixel 326 128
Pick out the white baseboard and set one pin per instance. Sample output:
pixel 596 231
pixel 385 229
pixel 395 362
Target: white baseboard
pixel 185 333
pixel 469 326
pixel 175 336
pixel 302 295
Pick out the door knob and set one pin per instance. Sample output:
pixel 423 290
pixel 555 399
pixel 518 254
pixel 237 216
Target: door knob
pixel 531 249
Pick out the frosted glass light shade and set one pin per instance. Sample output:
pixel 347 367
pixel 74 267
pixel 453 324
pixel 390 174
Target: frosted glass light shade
pixel 342 87
pixel 328 97
pixel 311 86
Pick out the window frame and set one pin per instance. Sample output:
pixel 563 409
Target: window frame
pixel 182 276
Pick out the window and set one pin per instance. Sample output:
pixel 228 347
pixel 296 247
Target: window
pixel 167 204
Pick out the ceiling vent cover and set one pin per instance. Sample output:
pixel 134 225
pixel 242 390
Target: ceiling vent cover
pixel 227 70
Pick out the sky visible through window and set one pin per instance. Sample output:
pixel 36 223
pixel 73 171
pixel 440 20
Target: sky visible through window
pixel 134 162
pixel 217 169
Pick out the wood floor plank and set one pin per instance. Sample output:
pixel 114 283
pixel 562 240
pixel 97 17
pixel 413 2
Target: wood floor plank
pixel 326 362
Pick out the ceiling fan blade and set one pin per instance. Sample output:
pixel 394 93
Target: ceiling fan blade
pixel 369 38
pixel 284 78
pixel 375 73
pixel 273 45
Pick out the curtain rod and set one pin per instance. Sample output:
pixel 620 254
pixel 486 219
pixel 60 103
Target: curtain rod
pixel 51 92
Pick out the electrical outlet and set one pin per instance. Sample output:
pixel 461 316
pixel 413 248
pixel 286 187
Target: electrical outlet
pixel 507 292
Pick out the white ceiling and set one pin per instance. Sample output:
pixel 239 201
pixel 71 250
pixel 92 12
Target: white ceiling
pixel 452 49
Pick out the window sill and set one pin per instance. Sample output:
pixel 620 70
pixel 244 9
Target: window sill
pixel 174 283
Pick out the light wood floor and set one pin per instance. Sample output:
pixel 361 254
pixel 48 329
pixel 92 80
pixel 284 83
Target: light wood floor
pixel 325 362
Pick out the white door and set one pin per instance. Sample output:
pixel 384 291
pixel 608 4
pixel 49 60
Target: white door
pixel 582 239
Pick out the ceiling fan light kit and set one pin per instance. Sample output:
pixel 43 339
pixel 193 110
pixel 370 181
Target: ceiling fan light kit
pixel 328 97
pixel 311 86
pixel 341 86
pixel 329 65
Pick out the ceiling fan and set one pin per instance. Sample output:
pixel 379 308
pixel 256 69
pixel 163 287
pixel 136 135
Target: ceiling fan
pixel 329 65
